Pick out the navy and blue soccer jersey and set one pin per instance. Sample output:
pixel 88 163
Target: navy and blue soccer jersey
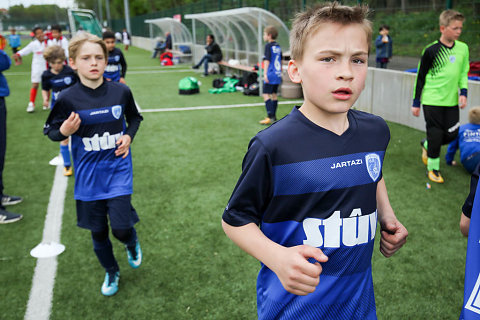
pixel 99 174
pixel 116 67
pixel 57 82
pixel 273 53
pixel 306 185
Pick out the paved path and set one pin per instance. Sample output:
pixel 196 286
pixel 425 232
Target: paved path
pixel 400 63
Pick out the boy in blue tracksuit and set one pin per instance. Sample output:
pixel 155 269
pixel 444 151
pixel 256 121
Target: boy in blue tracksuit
pixel 14 41
pixel 384 46
pixel 468 141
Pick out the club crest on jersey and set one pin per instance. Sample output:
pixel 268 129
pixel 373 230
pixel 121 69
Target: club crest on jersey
pixel 67 80
pixel 117 111
pixel 452 59
pixel 373 165
pixel 117 58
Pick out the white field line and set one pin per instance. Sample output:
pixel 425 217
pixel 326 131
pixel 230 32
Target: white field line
pixel 226 106
pixel 40 300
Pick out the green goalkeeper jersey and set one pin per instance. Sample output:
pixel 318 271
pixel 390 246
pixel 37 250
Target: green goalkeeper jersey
pixel 442 71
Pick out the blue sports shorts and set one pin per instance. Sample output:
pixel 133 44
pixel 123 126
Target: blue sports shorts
pixel 92 215
pixel 270 88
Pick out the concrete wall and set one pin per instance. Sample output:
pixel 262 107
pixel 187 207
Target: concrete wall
pixel 143 43
pixel 388 93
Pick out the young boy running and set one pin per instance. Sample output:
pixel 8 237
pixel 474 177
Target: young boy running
pixel 93 112
pixel 58 39
pixel 442 72
pixel 313 181
pixel 38 63
pixel 117 66
pixel 57 78
pixel 272 77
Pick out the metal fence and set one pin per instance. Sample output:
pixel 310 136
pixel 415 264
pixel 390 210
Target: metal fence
pixel 286 9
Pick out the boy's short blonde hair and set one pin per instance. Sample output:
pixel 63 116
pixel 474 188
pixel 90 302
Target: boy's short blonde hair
pixel 77 42
pixel 448 16
pixel 54 53
pixel 474 115
pixel 307 22
pixel 272 31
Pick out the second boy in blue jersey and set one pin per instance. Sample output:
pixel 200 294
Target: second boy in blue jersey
pixel 272 77
pixel 56 78
pixel 313 181
pixel 95 113
pixel 117 66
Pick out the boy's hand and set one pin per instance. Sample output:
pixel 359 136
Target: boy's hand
pixel 393 236
pixel 123 146
pixel 296 273
pixel 122 80
pixel 462 102
pixel 71 125
pixel 416 111
pixel 265 78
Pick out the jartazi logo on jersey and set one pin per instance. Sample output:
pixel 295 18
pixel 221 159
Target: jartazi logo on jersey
pixel 352 231
pixel 348 163
pixel 105 142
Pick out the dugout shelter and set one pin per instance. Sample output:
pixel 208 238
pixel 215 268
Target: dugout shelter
pixel 181 36
pixel 238 32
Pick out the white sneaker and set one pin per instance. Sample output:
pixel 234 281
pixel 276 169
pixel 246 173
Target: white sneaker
pixel 45 108
pixel 30 107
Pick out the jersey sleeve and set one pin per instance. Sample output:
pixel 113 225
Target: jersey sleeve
pixel 451 150
pixel 268 53
pixel 45 81
pixel 463 81
pixel 424 66
pixel 27 50
pixel 467 206
pixel 123 63
pixel 57 116
pixel 132 116
pixel 253 191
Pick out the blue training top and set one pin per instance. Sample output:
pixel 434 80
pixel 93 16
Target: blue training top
pixel 273 53
pixel 306 185
pixel 99 173
pixel 468 140
pixel 57 82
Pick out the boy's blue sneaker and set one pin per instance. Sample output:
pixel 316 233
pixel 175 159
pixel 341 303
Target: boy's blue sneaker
pixel 110 284
pixel 135 260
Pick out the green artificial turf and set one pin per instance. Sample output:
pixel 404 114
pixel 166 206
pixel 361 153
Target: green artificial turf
pixel 186 164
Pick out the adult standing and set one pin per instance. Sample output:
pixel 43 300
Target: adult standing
pixel 5 216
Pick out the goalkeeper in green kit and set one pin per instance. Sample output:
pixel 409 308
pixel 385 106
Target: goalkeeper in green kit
pixel 441 87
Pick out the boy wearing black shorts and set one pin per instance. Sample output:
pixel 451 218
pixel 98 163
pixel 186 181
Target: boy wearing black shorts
pixel 272 76
pixel 95 114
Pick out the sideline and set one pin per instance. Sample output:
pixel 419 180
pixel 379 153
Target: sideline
pixel 225 106
pixel 40 299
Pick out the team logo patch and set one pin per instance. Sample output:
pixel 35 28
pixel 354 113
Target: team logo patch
pixel 67 80
pixel 117 58
pixel 473 303
pixel 117 111
pixel 452 59
pixel 373 165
